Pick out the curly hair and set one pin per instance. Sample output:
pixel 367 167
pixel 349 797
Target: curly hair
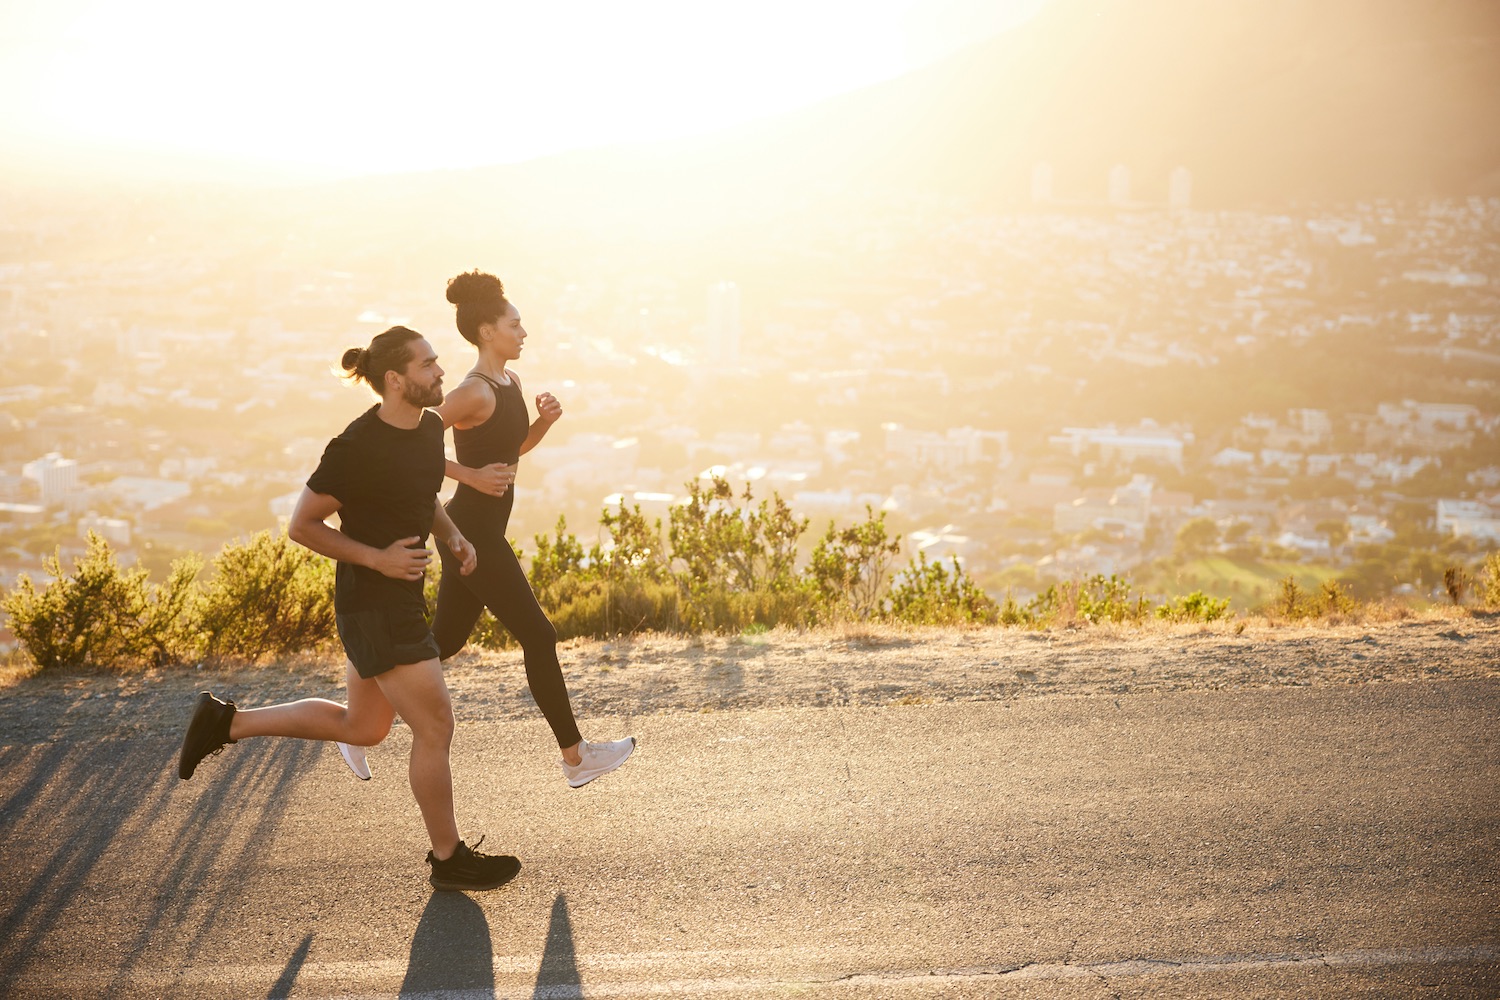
pixel 479 298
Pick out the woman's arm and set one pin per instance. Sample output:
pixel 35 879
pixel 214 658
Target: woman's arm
pixel 548 410
pixel 401 560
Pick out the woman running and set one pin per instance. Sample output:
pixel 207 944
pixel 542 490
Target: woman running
pixel 490 433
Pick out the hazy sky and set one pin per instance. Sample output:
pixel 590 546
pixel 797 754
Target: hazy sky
pixel 378 86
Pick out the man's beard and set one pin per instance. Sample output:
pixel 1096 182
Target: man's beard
pixel 423 395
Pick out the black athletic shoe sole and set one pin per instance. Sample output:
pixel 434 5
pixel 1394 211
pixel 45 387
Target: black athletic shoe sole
pixel 509 869
pixel 199 740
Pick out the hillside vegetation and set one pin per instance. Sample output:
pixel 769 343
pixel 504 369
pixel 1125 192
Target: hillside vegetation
pixel 726 565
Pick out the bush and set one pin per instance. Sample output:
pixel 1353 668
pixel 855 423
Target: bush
pixel 1295 604
pixel 1456 581
pixel 102 616
pixel 1195 607
pixel 726 550
pixel 1489 581
pixel 607 609
pixel 848 568
pixel 268 597
pixel 927 594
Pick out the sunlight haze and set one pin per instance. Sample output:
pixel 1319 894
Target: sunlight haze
pixel 344 88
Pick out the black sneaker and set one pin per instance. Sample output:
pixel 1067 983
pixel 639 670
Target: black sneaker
pixel 206 733
pixel 471 868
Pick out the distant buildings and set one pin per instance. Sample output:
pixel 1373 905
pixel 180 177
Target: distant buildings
pixel 1125 447
pixel 723 331
pixel 57 477
pixel 951 450
pixel 1180 189
pixel 1468 519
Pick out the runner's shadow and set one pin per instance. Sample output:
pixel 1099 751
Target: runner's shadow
pixel 288 978
pixel 451 950
pixel 70 824
pixel 557 978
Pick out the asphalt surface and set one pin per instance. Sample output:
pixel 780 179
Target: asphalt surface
pixel 1339 841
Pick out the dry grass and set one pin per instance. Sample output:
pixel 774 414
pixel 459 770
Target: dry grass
pixel 843 665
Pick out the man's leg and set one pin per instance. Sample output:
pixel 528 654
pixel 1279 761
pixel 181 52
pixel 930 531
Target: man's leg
pixel 365 721
pixel 418 692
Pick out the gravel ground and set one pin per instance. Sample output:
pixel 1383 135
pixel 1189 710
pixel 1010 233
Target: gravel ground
pixel 854 665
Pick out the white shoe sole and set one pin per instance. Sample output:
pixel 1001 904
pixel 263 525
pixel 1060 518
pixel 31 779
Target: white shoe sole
pixel 355 757
pixel 580 780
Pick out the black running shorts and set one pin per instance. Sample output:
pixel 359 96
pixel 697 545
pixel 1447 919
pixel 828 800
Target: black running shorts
pixel 377 641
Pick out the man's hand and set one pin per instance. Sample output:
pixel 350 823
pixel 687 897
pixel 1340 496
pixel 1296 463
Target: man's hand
pixel 403 559
pixel 547 407
pixel 493 479
pixel 465 553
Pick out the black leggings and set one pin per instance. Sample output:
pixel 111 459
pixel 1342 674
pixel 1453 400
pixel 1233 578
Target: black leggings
pixel 499 583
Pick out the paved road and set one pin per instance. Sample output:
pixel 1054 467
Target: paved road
pixel 1316 842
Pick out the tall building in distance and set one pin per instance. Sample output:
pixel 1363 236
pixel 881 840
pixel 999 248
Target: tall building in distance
pixel 57 477
pixel 1119 184
pixel 723 330
pixel 1180 189
pixel 1041 182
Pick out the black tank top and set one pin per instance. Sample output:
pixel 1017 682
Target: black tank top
pixel 500 437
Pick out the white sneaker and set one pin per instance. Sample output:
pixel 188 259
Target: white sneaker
pixel 355 757
pixel 597 759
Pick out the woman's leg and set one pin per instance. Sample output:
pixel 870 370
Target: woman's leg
pixel 365 721
pixel 458 607
pixel 507 593
pixel 418 692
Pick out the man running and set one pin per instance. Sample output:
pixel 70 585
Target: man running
pixel 381 476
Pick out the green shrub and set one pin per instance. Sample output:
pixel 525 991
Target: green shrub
pixel 610 609
pixel 1336 599
pixel 1194 607
pixel 1489 581
pixel 927 594
pixel 102 616
pixel 1295 604
pixel 636 549
pixel 848 568
pixel 729 551
pixel 1291 600
pixel 1100 599
pixel 267 597
pixel 556 559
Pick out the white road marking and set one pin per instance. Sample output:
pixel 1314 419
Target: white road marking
pixel 519 974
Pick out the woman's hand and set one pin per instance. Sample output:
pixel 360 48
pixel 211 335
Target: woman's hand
pixel 547 407
pixel 402 559
pixel 493 479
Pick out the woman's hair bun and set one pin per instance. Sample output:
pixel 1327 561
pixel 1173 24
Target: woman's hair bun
pixel 475 286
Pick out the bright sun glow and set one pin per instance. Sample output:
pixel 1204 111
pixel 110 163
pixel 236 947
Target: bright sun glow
pixel 361 87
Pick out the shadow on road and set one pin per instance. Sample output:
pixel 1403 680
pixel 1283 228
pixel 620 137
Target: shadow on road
pixel 557 978
pixel 451 949
pixel 288 978
pixel 67 826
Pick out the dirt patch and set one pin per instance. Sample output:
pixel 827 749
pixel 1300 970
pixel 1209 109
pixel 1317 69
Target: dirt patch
pixel 651 674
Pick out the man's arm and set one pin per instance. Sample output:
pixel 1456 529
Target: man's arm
pixel 400 560
pixel 444 529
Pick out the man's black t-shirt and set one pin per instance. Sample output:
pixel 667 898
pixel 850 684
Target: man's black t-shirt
pixel 386 479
